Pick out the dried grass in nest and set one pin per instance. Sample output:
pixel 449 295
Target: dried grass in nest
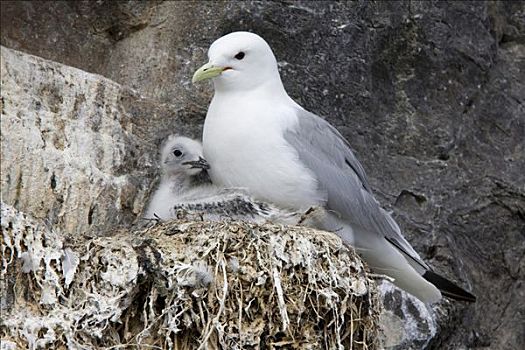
pixel 189 285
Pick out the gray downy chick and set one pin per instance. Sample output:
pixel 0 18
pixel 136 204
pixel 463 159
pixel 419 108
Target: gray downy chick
pixel 183 170
pixel 185 186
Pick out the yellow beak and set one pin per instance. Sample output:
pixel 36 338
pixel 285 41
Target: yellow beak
pixel 207 71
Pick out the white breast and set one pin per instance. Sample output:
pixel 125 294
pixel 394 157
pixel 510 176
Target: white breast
pixel 245 148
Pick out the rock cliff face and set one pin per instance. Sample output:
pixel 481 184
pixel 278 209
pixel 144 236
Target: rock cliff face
pixel 430 94
pixel 78 149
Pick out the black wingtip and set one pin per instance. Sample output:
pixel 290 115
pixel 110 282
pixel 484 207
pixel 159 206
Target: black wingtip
pixel 449 288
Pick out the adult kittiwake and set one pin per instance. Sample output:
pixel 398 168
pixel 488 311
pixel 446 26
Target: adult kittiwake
pixel 256 137
pixel 185 186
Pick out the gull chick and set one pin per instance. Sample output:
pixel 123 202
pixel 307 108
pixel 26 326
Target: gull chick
pixel 185 186
pixel 183 170
pixel 256 137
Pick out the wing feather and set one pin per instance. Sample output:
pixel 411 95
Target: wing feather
pixel 324 151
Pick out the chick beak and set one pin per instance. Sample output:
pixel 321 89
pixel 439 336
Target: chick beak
pixel 198 164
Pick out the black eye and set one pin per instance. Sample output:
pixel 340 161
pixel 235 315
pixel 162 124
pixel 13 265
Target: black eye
pixel 239 56
pixel 177 153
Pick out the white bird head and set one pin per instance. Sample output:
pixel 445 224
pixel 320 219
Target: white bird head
pixel 182 156
pixel 239 61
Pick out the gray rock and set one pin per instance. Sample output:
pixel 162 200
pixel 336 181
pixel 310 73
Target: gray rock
pixel 78 149
pixel 432 91
pixel 407 323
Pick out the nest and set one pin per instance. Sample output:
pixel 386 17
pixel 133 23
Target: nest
pixel 184 285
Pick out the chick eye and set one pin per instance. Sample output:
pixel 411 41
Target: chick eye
pixel 177 153
pixel 240 55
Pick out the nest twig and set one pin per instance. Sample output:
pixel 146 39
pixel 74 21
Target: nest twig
pixel 185 285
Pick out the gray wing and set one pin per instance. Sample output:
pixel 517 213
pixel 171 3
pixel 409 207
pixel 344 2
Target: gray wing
pixel 328 155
